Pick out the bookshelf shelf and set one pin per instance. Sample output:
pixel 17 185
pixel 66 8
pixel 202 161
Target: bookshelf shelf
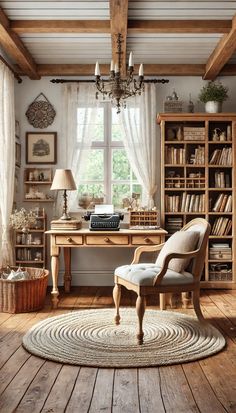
pixel 30 247
pixel 199 180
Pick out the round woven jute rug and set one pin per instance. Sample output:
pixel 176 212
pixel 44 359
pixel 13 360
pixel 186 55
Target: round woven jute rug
pixel 90 338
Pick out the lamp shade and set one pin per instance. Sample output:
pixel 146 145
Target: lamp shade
pixel 63 179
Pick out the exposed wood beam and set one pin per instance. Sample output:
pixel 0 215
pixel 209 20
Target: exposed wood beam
pixel 119 23
pixel 134 26
pixel 228 70
pixel 14 47
pixel 60 26
pixel 88 70
pixel 179 26
pixel 222 53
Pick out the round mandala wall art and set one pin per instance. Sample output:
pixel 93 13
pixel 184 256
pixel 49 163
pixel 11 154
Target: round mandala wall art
pixel 40 113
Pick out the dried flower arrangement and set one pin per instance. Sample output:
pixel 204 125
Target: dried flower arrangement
pixel 23 219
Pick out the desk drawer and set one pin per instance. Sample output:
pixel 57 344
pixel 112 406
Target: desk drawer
pixel 69 240
pixel 107 239
pixel 146 239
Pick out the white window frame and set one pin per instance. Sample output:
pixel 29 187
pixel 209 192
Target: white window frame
pixel 108 145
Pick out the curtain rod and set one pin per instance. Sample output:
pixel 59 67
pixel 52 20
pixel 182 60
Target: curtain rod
pixel 18 78
pixel 93 81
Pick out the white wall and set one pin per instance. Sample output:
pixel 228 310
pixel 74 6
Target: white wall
pixel 93 266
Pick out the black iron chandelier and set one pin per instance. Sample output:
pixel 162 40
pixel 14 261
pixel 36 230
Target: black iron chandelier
pixel 116 88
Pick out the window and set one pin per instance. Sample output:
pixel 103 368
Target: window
pixel 107 172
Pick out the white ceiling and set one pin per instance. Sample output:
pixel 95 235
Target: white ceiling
pixel 87 48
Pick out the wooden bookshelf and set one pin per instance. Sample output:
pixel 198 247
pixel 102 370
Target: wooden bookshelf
pixel 198 179
pixel 30 247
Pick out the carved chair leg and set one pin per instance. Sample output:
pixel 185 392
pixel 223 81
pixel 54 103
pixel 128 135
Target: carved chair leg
pixel 196 305
pixel 186 299
pixel 116 298
pixel 140 308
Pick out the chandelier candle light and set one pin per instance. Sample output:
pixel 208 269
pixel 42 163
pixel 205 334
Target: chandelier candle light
pixel 63 180
pixel 116 88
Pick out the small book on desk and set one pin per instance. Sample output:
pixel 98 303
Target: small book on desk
pixel 71 224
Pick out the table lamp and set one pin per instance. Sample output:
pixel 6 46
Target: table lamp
pixel 63 180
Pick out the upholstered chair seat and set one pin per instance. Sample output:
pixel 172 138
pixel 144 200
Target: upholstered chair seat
pixel 145 274
pixel 178 268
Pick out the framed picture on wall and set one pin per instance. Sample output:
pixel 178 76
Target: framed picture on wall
pixel 18 152
pixel 41 147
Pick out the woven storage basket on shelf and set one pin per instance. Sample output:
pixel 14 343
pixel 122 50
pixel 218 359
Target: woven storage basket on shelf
pixel 22 296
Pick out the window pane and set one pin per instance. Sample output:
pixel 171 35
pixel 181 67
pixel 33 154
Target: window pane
pixel 96 190
pixel 90 193
pixel 94 166
pixel 116 131
pixel 120 165
pixel 83 116
pixel 120 191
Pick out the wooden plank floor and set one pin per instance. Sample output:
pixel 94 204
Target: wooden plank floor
pixel 30 385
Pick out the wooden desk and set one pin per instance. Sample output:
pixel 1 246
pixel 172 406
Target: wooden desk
pixel 83 238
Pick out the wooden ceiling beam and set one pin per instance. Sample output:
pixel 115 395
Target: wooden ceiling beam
pixel 222 53
pixel 88 69
pixel 134 26
pixel 119 24
pixel 179 26
pixel 14 47
pixel 60 26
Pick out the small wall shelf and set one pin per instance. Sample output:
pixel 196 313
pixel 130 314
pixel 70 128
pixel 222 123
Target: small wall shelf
pixel 37 183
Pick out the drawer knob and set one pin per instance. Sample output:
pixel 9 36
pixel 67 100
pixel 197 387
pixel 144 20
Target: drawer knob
pixel 106 239
pixel 69 239
pixel 147 240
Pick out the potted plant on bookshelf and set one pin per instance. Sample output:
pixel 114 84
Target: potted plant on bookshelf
pixel 213 94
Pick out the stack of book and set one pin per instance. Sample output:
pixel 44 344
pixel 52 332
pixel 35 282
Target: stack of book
pixel 194 133
pixel 174 224
pixel 221 251
pixel 221 226
pixel 72 224
pixel 223 203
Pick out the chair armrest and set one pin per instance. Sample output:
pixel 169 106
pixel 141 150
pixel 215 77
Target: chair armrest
pixel 168 258
pixel 145 248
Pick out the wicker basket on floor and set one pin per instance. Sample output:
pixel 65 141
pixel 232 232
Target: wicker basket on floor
pixel 22 296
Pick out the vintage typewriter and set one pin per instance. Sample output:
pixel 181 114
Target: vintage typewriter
pixel 104 222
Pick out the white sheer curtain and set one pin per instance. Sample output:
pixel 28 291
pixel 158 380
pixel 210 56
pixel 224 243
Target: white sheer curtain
pixel 7 161
pixel 140 139
pixel 78 95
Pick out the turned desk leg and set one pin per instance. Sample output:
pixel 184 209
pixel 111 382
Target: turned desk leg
pixel 55 268
pixel 55 292
pixel 67 274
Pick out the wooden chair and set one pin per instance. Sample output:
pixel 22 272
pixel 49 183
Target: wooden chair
pixel 148 279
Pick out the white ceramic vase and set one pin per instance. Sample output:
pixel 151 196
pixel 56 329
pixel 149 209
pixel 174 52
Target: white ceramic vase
pixel 213 106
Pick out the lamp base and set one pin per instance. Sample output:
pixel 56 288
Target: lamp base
pixel 65 217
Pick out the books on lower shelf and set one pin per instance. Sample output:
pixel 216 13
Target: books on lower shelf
pixel 223 203
pixel 185 203
pixel 221 157
pixel 221 226
pixel 174 224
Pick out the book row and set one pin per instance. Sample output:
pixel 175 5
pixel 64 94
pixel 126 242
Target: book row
pixel 185 203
